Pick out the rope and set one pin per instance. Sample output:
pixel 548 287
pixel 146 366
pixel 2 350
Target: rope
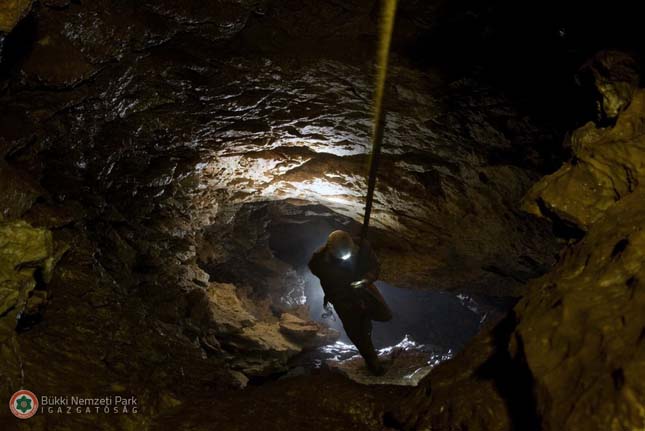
pixel 385 39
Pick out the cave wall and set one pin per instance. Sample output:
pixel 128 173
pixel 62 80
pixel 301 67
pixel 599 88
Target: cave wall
pixel 571 354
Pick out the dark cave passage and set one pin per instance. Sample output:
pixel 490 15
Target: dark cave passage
pixel 441 322
pixel 429 325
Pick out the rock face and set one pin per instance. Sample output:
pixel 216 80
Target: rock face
pixel 13 11
pixel 406 364
pixel 253 346
pixel 608 163
pixel 23 251
pixel 572 354
pixel 307 333
pixel 19 192
pixel 582 328
pixel 616 77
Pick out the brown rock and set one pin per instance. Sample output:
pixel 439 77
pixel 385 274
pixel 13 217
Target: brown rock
pixel 18 191
pixel 582 328
pixel 308 334
pixel 297 328
pixel 55 61
pixel 12 12
pixel 616 78
pixel 23 249
pixel 571 357
pixel 609 164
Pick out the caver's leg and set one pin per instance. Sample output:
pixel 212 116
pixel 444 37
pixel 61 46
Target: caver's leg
pixel 376 307
pixel 358 327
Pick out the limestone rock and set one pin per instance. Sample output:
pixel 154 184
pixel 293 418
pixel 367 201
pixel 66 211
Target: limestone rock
pixel 264 346
pixel 12 12
pixel 455 396
pixel 267 345
pixel 23 249
pixel 308 334
pixel 615 76
pixel 240 379
pixel 582 328
pixel 227 310
pixel 43 64
pixel 295 327
pixel 571 356
pixel 608 164
pixel 266 349
pixel 266 336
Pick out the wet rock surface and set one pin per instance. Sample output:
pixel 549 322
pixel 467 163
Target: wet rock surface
pixel 607 166
pixel 570 355
pixel 572 350
pixel 406 364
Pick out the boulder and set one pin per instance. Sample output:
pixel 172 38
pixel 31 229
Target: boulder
pixel 296 328
pixel 615 76
pixel 264 345
pixel 227 310
pixel 608 164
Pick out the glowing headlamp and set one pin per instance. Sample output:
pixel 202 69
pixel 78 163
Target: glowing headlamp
pixel 346 255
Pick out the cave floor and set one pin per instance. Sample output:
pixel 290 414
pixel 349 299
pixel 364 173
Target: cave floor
pixel 324 401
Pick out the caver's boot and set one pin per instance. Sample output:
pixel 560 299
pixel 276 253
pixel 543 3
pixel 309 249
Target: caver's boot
pixel 375 366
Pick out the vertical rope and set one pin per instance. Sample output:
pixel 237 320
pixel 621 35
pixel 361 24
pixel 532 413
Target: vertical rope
pixel 383 55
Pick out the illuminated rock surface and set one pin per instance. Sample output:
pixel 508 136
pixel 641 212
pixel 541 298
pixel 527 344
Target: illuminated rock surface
pixel 406 364
pixel 11 13
pixel 23 250
pixel 572 354
pixel 609 164
pixel 572 350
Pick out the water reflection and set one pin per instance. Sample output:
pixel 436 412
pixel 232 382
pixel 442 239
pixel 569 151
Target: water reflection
pixel 437 319
pixel 406 362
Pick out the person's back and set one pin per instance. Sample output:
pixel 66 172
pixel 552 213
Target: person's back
pixel 347 275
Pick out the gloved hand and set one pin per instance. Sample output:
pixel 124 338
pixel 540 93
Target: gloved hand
pixel 328 310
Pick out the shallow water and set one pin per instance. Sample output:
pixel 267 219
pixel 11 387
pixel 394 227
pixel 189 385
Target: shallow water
pixel 439 319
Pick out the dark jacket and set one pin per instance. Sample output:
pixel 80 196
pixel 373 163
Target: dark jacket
pixel 336 275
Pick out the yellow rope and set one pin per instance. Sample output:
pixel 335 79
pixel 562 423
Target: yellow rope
pixel 383 55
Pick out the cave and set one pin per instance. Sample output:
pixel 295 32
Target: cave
pixel 170 168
